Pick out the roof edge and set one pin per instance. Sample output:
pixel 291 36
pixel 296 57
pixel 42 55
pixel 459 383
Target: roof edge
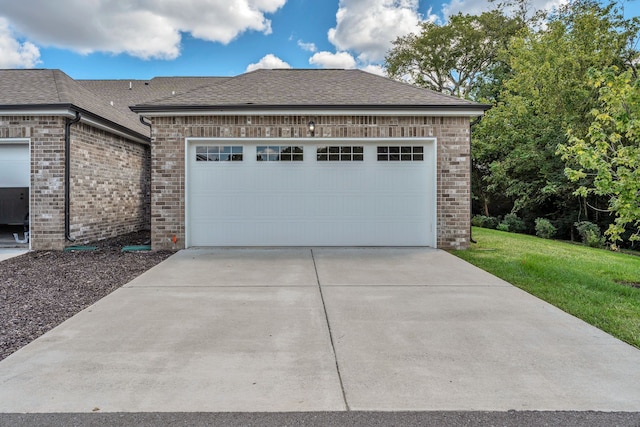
pixel 66 110
pixel 243 108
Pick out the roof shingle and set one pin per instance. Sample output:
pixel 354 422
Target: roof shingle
pixel 20 89
pixel 125 93
pixel 312 87
pixel 114 100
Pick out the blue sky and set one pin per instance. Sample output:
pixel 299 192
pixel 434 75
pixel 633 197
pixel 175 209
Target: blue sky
pixel 140 39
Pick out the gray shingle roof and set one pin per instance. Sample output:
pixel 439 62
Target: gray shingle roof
pixel 125 93
pixel 31 89
pixel 110 100
pixel 28 87
pixel 308 88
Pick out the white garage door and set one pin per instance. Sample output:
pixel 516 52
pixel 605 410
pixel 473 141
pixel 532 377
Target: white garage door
pixel 14 165
pixel 14 181
pixel 319 193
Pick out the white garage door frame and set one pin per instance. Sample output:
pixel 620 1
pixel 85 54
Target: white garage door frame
pixel 430 159
pixel 19 178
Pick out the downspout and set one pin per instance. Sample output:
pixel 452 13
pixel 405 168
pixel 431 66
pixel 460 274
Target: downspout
pixel 67 175
pixel 146 124
pixel 471 125
pixel 148 189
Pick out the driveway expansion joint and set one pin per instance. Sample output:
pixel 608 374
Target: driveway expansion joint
pixel 333 346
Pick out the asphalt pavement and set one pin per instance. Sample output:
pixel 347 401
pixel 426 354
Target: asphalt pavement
pixel 330 419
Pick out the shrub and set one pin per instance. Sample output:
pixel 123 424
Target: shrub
pixel 491 222
pixel 590 234
pixel 544 228
pixel 484 221
pixel 512 223
pixel 502 227
pixel 595 240
pixel 478 220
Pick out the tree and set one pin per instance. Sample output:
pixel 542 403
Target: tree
pixel 546 93
pixel 452 58
pixel 610 151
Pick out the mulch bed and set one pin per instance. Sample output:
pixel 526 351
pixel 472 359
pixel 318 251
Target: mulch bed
pixel 39 290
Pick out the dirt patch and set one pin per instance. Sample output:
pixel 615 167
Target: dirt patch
pixel 40 290
pixel 631 284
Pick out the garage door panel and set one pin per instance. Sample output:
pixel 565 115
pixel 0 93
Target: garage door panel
pixel 344 179
pixel 275 205
pixel 309 203
pixel 15 171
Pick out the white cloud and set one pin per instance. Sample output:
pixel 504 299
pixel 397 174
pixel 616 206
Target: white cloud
pixel 473 7
pixel 141 28
pixel 333 60
pixel 476 7
pixel 375 69
pixel 309 47
pixel 269 61
pixel 14 54
pixel 368 27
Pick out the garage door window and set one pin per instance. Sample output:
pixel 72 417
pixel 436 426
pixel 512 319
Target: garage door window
pixel 340 153
pixel 279 153
pixel 400 154
pixel 219 153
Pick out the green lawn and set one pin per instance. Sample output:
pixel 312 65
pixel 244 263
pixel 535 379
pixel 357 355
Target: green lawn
pixel 583 281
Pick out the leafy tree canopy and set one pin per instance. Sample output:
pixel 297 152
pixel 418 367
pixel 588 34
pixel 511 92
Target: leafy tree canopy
pixel 563 136
pixel 451 58
pixel 546 93
pixel 610 151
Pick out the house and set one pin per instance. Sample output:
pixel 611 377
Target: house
pixel 310 158
pixel 266 158
pixel 79 162
pixel 101 189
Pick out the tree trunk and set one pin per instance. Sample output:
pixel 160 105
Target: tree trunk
pixel 486 205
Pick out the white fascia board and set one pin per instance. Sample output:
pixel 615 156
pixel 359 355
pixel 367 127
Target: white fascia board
pixel 71 114
pixel 301 112
pixel 109 129
pixel 65 112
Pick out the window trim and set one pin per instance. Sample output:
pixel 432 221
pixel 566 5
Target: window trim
pixel 234 153
pixel 295 156
pixel 400 153
pixel 336 153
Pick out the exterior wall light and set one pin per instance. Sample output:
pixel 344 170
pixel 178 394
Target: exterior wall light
pixel 312 128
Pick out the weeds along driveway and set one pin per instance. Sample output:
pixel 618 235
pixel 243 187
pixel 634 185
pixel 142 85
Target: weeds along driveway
pixel 217 330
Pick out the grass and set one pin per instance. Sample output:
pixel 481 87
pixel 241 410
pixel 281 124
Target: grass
pixel 591 284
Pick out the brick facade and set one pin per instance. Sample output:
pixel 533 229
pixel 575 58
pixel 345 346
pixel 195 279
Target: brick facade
pixel 109 181
pixel 168 168
pixel 109 185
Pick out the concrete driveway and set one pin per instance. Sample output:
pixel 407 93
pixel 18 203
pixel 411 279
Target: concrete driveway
pixel 6 253
pixel 218 330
